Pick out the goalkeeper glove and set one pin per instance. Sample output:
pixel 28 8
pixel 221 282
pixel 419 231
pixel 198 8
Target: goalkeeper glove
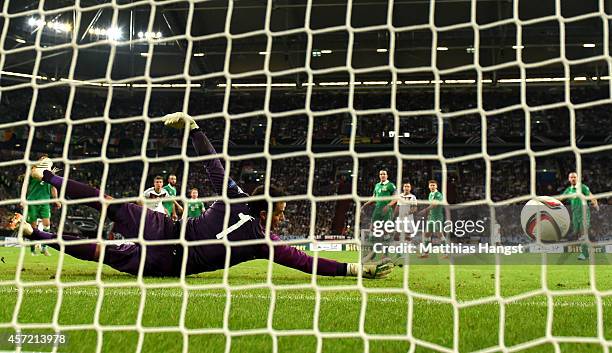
pixel 179 120
pixel 380 270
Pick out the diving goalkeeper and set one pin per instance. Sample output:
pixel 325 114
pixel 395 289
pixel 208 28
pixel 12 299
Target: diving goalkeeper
pixel 246 222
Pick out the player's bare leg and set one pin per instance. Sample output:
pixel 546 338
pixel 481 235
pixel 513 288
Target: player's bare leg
pixel 46 222
pixel 443 240
pixel 426 240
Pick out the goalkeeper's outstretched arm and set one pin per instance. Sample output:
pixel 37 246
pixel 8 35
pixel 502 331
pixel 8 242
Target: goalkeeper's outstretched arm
pixel 203 147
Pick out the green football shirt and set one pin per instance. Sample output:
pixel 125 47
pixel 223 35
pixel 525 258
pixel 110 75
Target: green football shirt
pixel 171 192
pixel 436 212
pixel 576 205
pixel 383 190
pixel 195 209
pixel 38 190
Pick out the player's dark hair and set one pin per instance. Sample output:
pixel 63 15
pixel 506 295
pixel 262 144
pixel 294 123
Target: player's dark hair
pixel 196 189
pixel 158 177
pixel 432 182
pixel 169 175
pixel 255 207
pixel 406 182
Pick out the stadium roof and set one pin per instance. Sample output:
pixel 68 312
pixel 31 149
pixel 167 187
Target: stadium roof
pixel 408 42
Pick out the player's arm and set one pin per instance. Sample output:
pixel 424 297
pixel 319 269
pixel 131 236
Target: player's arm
pixel 390 205
pixel 173 215
pixel 203 147
pixel 54 195
pixel 433 203
pixel 178 207
pixel 396 209
pixel 370 201
pixel 415 206
pixel 565 200
pixel 393 202
pixel 590 197
pixel 291 257
pixel 426 209
pixel 146 194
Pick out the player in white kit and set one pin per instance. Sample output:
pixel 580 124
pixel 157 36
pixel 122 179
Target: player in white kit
pixel 406 207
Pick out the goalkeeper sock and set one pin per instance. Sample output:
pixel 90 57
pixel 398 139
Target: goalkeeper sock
pixel 43 247
pixel 74 189
pixel 81 251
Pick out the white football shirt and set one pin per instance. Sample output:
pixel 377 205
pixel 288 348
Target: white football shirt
pixel 156 199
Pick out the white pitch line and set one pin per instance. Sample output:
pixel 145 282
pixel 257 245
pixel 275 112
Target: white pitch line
pixel 219 294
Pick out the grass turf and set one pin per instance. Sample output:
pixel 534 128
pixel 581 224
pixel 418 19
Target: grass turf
pixel 295 317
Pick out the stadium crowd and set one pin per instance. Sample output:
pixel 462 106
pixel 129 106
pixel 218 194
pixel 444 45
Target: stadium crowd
pixel 331 176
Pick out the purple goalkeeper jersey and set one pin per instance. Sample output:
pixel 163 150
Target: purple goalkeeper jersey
pixel 166 260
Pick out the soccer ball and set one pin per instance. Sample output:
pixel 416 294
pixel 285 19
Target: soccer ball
pixel 545 218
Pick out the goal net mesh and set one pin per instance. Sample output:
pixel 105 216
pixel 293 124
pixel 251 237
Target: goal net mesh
pixel 267 83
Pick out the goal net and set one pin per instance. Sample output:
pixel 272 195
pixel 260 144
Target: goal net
pixel 497 103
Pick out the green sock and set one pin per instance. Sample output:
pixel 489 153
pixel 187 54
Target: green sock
pixel 584 249
pixel 32 248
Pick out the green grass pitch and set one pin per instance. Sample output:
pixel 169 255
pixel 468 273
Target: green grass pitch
pixel 383 317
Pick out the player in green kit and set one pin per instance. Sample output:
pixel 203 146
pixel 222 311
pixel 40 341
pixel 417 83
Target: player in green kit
pixel 581 216
pixel 435 215
pixel 172 206
pixel 383 209
pixel 194 207
pixel 40 190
